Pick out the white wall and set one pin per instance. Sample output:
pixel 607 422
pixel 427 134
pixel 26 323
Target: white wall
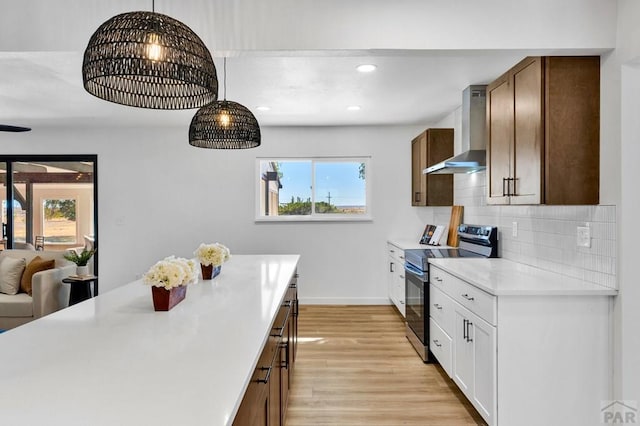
pixel 159 196
pixel 625 70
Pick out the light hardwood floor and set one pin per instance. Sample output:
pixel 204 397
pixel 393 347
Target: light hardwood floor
pixel 356 367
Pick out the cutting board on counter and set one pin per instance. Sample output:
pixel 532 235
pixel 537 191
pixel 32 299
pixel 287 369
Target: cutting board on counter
pixel 456 219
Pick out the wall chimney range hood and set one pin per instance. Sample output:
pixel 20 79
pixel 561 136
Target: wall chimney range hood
pixel 474 156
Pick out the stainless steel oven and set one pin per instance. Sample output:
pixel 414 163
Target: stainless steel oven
pixel 475 242
pixel 416 305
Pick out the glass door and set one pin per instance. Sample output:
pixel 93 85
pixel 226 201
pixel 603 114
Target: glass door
pixel 49 202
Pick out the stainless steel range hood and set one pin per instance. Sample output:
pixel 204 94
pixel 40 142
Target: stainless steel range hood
pixel 473 158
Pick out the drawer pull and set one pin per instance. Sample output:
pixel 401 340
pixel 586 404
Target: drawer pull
pixel 438 279
pixel 266 378
pixel 401 257
pixel 402 302
pixel 438 344
pixel 402 276
pixel 392 251
pixel 391 267
pixel 439 307
pixel 466 296
pixel 469 339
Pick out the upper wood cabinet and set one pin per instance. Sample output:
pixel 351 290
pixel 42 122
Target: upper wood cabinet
pixel 428 148
pixel 543 124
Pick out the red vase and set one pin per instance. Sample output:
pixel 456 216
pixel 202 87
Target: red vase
pixel 206 271
pixel 164 300
pixel 210 271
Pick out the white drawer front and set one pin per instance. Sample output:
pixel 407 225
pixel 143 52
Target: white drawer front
pixel 396 252
pixel 441 309
pixel 440 346
pixel 477 301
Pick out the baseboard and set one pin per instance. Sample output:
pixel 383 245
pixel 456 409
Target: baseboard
pixel 345 301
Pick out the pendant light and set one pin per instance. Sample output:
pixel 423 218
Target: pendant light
pixel 149 60
pixel 224 125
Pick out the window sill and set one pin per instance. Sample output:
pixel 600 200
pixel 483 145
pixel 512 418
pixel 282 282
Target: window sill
pixel 303 219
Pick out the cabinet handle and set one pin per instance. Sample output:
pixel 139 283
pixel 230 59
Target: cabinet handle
pixel 504 191
pixel 402 302
pixel 438 279
pixel 469 339
pixel 466 296
pixel 464 329
pixel 266 378
pixel 402 276
pixel 416 197
pixel 401 257
pixel 438 344
pixel 392 251
pixel 297 275
pixel 437 306
pixel 391 267
pixel 512 191
pixel 285 346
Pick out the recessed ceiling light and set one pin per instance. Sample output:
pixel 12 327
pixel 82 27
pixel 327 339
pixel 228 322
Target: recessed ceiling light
pixel 353 108
pixel 263 108
pixel 366 68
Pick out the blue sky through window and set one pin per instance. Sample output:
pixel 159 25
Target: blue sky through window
pixel 339 180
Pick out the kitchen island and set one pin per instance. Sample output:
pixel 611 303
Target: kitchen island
pixel 112 360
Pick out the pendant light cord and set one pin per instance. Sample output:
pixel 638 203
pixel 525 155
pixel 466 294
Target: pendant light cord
pixel 153 6
pixel 225 78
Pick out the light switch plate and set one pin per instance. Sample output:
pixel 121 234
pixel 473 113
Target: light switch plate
pixel 584 236
pixel 514 229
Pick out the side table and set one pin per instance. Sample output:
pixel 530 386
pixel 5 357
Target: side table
pixel 81 288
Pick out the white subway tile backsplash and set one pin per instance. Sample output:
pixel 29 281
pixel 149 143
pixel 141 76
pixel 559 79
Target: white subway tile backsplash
pixel 547 234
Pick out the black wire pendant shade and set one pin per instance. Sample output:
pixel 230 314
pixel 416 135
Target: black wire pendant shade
pixel 224 125
pixel 149 60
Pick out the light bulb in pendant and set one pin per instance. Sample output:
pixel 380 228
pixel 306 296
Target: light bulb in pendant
pixel 153 48
pixel 225 120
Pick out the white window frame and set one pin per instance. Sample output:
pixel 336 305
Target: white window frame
pixel 318 217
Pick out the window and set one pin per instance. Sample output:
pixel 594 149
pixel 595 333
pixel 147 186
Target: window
pixel 59 220
pixel 299 189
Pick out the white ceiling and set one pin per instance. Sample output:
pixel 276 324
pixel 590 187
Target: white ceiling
pixel 40 86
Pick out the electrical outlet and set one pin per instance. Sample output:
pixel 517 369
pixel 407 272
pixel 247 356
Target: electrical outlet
pixel 514 229
pixel 584 236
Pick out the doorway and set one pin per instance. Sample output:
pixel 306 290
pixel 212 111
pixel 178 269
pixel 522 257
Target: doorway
pixel 49 202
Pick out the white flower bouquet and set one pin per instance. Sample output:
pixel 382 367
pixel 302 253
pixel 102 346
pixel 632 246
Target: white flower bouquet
pixel 212 254
pixel 171 272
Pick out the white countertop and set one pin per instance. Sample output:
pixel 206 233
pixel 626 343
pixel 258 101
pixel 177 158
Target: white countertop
pixel 112 360
pixel 502 277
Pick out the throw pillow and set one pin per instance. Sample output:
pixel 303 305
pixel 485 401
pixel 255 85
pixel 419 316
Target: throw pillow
pixel 37 264
pixel 10 273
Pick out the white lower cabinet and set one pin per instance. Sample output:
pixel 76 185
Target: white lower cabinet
pixel 395 277
pixel 474 361
pixel 522 359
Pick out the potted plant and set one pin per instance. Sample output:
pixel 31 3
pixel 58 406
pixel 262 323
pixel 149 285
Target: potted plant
pixel 169 279
pixel 211 258
pixel 80 260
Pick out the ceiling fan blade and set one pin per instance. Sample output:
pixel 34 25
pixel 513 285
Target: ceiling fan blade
pixel 7 128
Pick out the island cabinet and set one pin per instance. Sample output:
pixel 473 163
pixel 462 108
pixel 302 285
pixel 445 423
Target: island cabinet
pixel 528 355
pixel 543 130
pixel 266 398
pixel 428 148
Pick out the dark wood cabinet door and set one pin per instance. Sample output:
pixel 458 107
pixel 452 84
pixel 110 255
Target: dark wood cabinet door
pixel 418 163
pixel 499 139
pixel 439 188
pixel 527 157
pixel 572 138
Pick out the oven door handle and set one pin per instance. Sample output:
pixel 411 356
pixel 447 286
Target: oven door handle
pixel 414 271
